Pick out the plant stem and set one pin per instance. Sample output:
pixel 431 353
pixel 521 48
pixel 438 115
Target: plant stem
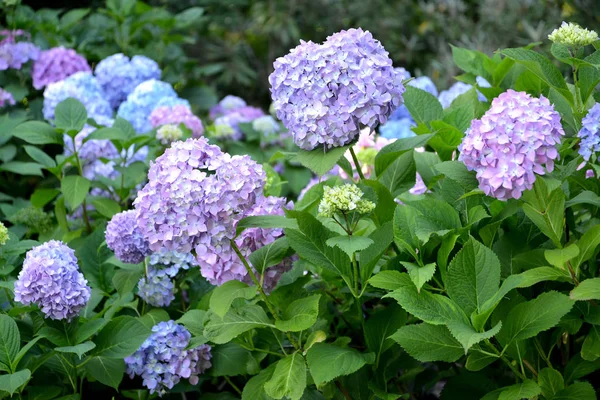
pixel 261 290
pixel 506 360
pixel 356 164
pixel 355 271
pixel 237 389
pixel 530 367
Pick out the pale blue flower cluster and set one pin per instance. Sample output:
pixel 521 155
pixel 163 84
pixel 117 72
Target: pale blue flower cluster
pixel 446 97
pixel 14 54
pixel 590 133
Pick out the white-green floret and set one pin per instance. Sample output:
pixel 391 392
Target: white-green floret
pixel 573 35
pixel 344 199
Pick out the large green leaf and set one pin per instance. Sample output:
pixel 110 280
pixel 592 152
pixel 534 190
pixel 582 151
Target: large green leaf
pixel 270 254
pixel 108 371
pixel 288 379
pixel 526 390
pixel 405 236
pixel 224 295
pixel 590 350
pixel 419 275
pixel 121 337
pixel 235 322
pixel 10 339
pixel 391 280
pixel 301 314
pixel 380 326
pixel 400 175
pixel 74 188
pixel 10 383
pixel 546 210
pixel 587 290
pixel 265 221
pixel 79 349
pixel 349 244
pixel 392 151
pixel 435 217
pixel 577 391
pixel 70 115
pixel 559 257
pixel 231 359
pixel 467 336
pixel 255 387
pixel 551 382
pixel 320 161
pixel 587 246
pixel 382 238
pixel 423 106
pixel 427 343
pixel 327 362
pixel 37 132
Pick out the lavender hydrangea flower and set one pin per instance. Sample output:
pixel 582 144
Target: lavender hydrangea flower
pixel 6 98
pixel 156 287
pixel 81 86
pixel 144 99
pixel 514 140
pixel 229 122
pixel 119 76
pixel 163 359
pixel 227 104
pixel 590 133
pixel 178 114
pixel 50 278
pixel 324 94
pixel 446 97
pixel 125 239
pixel 94 149
pixel 55 65
pixel 14 54
pixel 194 195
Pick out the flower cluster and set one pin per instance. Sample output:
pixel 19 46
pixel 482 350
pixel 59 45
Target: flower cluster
pixel 590 133
pixel 168 133
pixel 144 99
pixel 514 140
pixel 227 124
pixel 119 76
pixel 325 93
pixel 178 114
pixel 50 278
pixel 446 97
pixel 55 65
pixel 164 359
pixel 125 239
pixel 266 125
pixel 156 287
pixel 571 34
pixel 227 104
pixel 33 218
pixel 344 199
pixel 14 54
pixel 81 86
pixel 6 98
pixel 3 234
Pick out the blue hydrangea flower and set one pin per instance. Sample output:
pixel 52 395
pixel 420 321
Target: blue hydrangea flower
pixel 227 104
pixel 144 99
pixel 119 76
pixel 589 133
pixel 423 83
pixel 163 359
pixel 397 129
pixel 51 279
pixel 14 54
pixel 125 239
pixel 81 86
pixel 446 97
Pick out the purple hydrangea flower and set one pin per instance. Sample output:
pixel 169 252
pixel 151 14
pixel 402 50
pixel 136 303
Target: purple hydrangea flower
pixel 195 195
pixel 50 278
pixel 144 99
pixel 125 239
pixel 178 114
pixel 55 65
pixel 446 97
pixel 420 187
pixel 227 104
pixel 119 76
pixel 232 119
pixel 163 359
pixel 514 140
pixel 156 287
pixel 590 133
pixel 324 94
pixel 94 149
pixel 14 54
pixel 81 86
pixel 6 98
pixel 397 129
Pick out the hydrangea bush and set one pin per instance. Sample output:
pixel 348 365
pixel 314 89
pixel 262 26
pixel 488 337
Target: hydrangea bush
pixel 321 252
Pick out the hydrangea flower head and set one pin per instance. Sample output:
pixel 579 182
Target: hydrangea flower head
pixel 265 125
pixel 144 99
pixel 55 65
pixel 50 278
pixel 6 98
pixel 125 239
pixel 81 86
pixel 513 141
pixel 14 54
pixel 164 359
pixel 119 76
pixel 3 234
pixel 226 105
pixel 229 122
pixel 590 133
pixel 175 115
pixel 446 97
pixel 93 149
pixel 573 35
pixel 344 199
pixel 324 94
pixel 397 129
pixel 195 194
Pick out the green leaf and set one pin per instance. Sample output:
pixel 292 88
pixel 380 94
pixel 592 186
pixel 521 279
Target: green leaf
pixel 265 221
pixel 476 361
pixel 221 330
pixel 255 387
pixel 108 371
pixel 400 175
pixel 40 157
pixel 392 151
pixel 423 106
pixel 193 320
pixel 467 336
pixel 350 244
pixel 390 280
pixel 404 229
pixel 559 257
pixel 10 341
pixel 447 138
pixel 546 210
pixel 86 330
pixel 121 337
pixel 458 172
pixel 106 207
pixel 435 217
pixel 473 276
pixel 125 280
pixel 528 319
pixel 550 381
pixel 288 379
pixel 41 197
pixel 472 61
pixel 301 314
pixel 224 295
pixel 426 343
pixel 382 238
pixel 22 168
pixel 419 275
pixel 526 390
pixel 187 18
pixel 73 16
pixel 230 360
pixel 70 115
pixel 318 160
pixel 577 391
pixel 79 349
pixel 74 188
pixel 380 326
pixel 270 254
pixel 157 315
pixel 587 245
pixel 37 132
pixel 587 290
pixel 12 382
pixel 327 362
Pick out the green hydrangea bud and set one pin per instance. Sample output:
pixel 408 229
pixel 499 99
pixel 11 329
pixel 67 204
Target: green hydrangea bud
pixel 33 218
pixel 3 234
pixel 344 199
pixel 573 35
pixel 169 133
pixel 222 131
